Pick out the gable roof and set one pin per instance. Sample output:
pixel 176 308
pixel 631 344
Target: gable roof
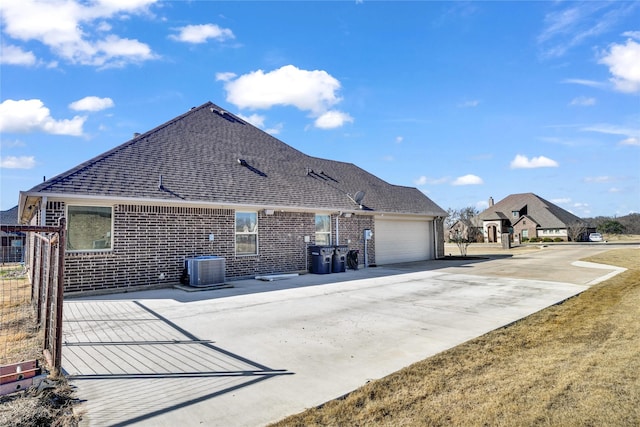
pixel 209 155
pixel 543 212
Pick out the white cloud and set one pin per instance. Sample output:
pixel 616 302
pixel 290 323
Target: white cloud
pixel 333 119
pixel 22 162
pixel 631 135
pixel 14 55
pixel 632 34
pixel 468 180
pixel 583 101
pixel 399 139
pixel 614 190
pixel 624 65
pixel 313 91
pixel 630 141
pixel 584 82
pixel 255 119
pixel 225 77
pixel 469 104
pixel 573 24
pixel 424 180
pixel 30 115
pixel 91 103
pixel 274 130
pixel 75 31
pixel 561 201
pixel 201 33
pixel 522 162
pixel 599 179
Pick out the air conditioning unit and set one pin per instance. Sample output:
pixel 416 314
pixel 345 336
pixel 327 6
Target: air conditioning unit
pixel 204 271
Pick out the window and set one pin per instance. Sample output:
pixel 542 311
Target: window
pixel 246 233
pixel 525 234
pixel 323 230
pixel 89 228
pixel 514 214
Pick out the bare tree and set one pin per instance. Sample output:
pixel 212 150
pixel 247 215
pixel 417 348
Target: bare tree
pixel 463 229
pixel 576 230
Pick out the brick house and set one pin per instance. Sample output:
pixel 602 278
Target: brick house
pixel 209 183
pixel 525 216
pixel 12 244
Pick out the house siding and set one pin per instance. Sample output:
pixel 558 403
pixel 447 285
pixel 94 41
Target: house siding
pixel 150 244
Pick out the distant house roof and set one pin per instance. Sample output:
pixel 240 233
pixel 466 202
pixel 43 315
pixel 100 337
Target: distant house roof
pixel 209 155
pixel 9 217
pixel 543 212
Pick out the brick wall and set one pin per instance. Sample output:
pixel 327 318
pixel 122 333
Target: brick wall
pixel 150 244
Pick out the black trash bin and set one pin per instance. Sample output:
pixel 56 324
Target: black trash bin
pixel 321 259
pixel 339 262
pixel 352 259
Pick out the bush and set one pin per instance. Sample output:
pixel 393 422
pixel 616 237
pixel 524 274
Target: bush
pixel 547 240
pixel 525 239
pixel 534 240
pixel 558 239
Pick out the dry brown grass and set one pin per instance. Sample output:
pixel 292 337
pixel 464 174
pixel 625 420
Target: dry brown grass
pixel 20 338
pixel 573 364
pixel 51 407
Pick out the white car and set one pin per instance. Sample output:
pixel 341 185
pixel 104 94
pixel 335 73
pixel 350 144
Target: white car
pixel 595 237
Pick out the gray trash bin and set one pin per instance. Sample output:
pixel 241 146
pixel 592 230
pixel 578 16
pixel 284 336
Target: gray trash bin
pixel 339 261
pixel 321 259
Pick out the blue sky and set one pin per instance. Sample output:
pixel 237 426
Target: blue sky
pixel 463 100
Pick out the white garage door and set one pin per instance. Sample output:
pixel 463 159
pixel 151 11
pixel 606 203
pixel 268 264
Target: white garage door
pixel 403 240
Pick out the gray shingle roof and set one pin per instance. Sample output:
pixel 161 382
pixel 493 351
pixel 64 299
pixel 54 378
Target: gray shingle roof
pixel 198 156
pixel 543 212
pixel 9 217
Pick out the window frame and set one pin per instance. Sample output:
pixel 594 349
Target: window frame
pixel 326 233
pixel 237 233
pixel 70 225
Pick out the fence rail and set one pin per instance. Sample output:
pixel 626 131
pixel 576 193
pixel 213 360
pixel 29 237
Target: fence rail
pixel 31 298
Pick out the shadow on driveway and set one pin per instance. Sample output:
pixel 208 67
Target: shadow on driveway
pixel 119 342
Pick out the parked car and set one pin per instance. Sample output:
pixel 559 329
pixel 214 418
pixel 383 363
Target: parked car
pixel 595 237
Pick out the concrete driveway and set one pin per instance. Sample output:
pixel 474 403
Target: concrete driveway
pixel 260 351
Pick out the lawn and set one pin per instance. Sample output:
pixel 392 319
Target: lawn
pixel 572 364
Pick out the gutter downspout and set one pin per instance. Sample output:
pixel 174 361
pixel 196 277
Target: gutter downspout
pixel 337 229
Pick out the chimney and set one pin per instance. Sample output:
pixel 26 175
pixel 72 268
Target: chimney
pixel 490 201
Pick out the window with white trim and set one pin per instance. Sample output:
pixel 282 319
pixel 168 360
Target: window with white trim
pixel 246 233
pixel 89 228
pixel 323 230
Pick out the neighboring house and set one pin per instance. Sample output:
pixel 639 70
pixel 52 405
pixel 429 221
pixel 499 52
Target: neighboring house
pixel 467 230
pixel 12 243
pixel 525 216
pixel 209 183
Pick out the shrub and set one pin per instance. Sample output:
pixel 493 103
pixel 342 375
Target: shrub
pixel 558 239
pixel 534 240
pixel 525 239
pixel 547 239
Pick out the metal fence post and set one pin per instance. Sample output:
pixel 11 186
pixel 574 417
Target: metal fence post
pixel 60 293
